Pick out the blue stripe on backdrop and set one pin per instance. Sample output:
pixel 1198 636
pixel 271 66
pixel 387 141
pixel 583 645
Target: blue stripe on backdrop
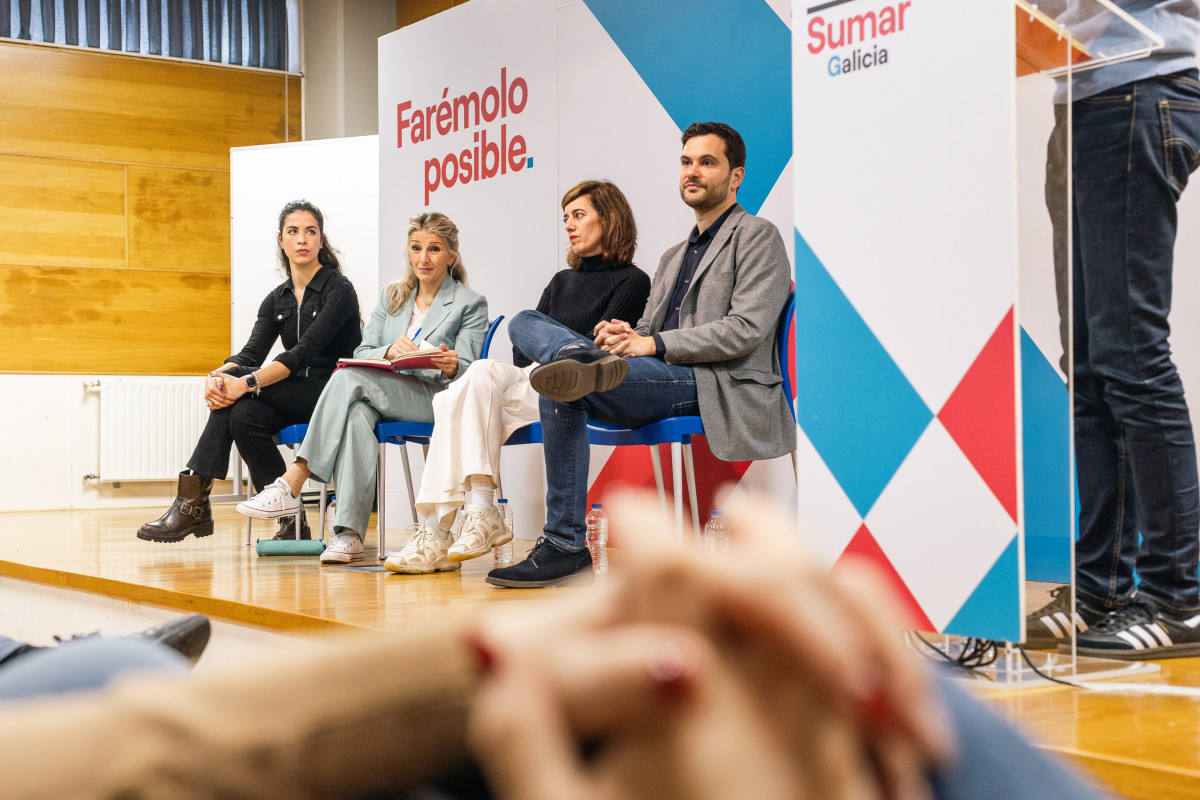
pixel 1046 438
pixel 852 401
pixel 723 60
pixel 998 590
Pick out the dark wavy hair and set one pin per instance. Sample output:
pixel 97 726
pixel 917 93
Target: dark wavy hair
pixel 326 256
pixel 735 148
pixel 619 239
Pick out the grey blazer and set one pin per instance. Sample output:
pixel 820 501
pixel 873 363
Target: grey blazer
pixel 726 333
pixel 458 318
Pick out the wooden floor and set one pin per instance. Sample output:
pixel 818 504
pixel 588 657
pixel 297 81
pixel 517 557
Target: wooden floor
pixel 219 575
pixel 1143 745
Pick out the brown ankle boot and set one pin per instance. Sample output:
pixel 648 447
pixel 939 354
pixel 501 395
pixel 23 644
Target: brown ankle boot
pixel 287 527
pixel 190 513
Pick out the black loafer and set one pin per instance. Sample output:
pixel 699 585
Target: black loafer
pixel 545 565
pixel 579 372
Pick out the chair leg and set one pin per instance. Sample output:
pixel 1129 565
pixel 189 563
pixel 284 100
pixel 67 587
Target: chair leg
pixel 381 482
pixel 690 468
pixel 676 481
pixel 656 461
pixel 412 496
pixel 324 505
pixel 795 468
pixel 248 534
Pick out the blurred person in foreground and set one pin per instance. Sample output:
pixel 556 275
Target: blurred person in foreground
pixel 680 677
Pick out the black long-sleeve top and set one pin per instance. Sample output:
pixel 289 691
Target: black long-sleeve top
pixel 323 329
pixel 598 290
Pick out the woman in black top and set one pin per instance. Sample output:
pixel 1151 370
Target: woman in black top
pixel 479 411
pixel 315 314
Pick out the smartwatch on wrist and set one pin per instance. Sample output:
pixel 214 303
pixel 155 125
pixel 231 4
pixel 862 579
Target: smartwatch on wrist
pixel 252 383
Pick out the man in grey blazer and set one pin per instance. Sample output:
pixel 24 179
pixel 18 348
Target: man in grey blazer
pixel 704 345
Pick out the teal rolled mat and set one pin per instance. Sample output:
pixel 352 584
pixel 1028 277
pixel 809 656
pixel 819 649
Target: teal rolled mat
pixel 289 547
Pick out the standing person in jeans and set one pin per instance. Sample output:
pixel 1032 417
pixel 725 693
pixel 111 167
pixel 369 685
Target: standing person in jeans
pixel 314 312
pixel 1136 129
pixel 704 345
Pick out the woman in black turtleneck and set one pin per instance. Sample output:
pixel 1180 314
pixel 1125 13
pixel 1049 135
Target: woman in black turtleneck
pixel 480 410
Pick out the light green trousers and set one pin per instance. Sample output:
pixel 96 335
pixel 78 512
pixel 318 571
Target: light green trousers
pixel 341 444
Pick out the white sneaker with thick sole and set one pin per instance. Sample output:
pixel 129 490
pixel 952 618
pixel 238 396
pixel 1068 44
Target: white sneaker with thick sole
pixel 271 503
pixel 481 529
pixel 424 553
pixel 346 547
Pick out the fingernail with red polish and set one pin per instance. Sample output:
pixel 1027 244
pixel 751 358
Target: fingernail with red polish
pixel 485 656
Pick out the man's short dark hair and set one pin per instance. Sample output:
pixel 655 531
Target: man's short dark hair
pixel 735 148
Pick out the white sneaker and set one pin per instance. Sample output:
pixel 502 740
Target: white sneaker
pixel 424 553
pixel 345 548
pixel 271 503
pixel 481 529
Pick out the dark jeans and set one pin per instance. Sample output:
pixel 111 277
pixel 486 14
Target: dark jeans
pixel 252 423
pixel 653 390
pixel 1135 147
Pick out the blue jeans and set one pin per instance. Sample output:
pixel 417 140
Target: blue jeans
pixel 83 665
pixel 1135 453
pixel 653 390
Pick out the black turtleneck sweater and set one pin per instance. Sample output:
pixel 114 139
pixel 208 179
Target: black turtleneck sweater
pixel 598 290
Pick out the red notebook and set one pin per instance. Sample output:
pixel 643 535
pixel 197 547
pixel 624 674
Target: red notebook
pixel 418 359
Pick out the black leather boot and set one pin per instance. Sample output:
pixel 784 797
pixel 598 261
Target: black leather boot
pixel 191 513
pixel 287 527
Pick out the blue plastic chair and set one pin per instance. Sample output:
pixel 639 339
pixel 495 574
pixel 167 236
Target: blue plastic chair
pixel 292 436
pixel 404 433
pixel 678 432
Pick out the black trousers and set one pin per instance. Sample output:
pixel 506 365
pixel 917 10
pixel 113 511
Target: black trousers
pixel 252 423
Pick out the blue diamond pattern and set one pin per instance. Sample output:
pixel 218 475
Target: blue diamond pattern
pixel 1046 437
pixel 993 609
pixel 671 44
pixel 853 402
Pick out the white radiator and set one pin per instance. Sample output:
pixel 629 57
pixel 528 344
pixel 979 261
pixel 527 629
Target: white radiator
pixel 149 426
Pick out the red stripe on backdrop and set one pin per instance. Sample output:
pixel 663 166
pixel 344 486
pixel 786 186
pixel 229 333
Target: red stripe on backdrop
pixel 906 608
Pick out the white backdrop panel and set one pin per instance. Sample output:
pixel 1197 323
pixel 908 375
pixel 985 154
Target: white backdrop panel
pixel 888 189
pixel 340 176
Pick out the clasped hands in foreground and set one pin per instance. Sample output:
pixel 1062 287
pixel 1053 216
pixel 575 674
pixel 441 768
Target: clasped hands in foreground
pixel 757 676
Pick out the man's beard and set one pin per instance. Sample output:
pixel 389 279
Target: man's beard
pixel 713 195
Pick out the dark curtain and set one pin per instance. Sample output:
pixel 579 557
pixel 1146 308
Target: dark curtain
pixel 203 30
pixel 254 28
pixel 23 22
pixel 47 22
pixel 133 27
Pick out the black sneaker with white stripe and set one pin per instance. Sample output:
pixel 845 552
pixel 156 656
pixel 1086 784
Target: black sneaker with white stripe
pixel 1051 623
pixel 1141 630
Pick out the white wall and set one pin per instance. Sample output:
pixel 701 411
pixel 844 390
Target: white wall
pixel 340 65
pixel 51 441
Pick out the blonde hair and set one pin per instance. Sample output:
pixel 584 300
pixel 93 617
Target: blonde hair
pixel 442 227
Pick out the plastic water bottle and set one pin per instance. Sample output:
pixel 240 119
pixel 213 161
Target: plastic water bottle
pixel 502 554
pixel 597 538
pixel 716 537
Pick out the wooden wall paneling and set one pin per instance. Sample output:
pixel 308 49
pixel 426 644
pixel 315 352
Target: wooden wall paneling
pixel 61 213
pixel 179 219
pixel 295 108
pixel 96 105
pixel 410 11
pixel 112 321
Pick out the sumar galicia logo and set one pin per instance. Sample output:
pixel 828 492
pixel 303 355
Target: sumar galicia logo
pixel 847 28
